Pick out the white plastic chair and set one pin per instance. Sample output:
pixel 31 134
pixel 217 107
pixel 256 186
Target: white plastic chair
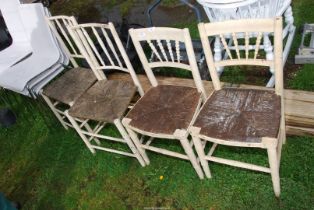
pixel 45 54
pixel 222 10
pixel 20 47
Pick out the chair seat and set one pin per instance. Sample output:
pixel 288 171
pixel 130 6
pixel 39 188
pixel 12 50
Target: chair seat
pixel 70 86
pixel 241 115
pixel 165 108
pixel 105 101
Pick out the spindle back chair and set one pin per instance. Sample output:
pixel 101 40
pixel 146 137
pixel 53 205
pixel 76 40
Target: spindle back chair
pixel 104 50
pixel 165 44
pixel 243 117
pixel 107 100
pixel 61 93
pixel 165 111
pixel 224 10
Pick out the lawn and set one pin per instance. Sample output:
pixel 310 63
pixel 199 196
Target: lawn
pixel 46 167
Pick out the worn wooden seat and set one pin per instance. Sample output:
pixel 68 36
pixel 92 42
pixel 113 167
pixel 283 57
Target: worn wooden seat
pixel 241 115
pixel 105 101
pixel 173 110
pixel 71 85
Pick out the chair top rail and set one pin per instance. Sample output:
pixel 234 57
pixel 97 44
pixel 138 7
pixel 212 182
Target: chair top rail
pixel 158 33
pixel 246 25
pixel 86 25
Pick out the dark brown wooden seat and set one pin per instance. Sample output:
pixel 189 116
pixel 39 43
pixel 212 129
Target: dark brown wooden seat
pixel 105 101
pixel 71 85
pixel 240 115
pixel 165 108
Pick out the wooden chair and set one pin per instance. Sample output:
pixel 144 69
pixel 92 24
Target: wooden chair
pixel 224 10
pixel 243 117
pixel 61 93
pixel 107 100
pixel 165 111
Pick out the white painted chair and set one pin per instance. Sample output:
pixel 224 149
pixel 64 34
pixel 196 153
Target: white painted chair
pixel 243 117
pixel 223 10
pixel 165 111
pixel 61 93
pixel 107 100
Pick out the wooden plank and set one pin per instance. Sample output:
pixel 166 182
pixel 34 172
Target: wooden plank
pixel 299 121
pixel 299 104
pixel 298 131
pixel 299 108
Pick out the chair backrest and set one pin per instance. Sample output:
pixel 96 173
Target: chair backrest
pixel 60 27
pixel 103 50
pixel 245 47
pixel 241 9
pixel 166 47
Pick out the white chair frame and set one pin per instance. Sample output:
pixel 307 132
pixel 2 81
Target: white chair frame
pixel 273 145
pixel 61 23
pixel 245 9
pixel 87 47
pixel 153 36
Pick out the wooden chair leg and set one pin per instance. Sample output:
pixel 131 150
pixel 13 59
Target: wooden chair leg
pixel 136 141
pixel 126 137
pixel 182 136
pixel 53 109
pixel 78 130
pixel 189 151
pixel 274 169
pixel 201 155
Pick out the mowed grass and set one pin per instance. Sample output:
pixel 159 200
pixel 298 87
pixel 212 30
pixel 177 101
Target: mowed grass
pixel 46 167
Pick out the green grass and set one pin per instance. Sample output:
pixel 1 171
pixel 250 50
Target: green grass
pixel 46 167
pixel 304 79
pixel 303 13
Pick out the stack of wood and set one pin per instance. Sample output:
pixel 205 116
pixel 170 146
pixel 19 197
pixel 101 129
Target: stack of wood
pixel 299 107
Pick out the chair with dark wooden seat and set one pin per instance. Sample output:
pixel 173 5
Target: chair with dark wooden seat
pixel 61 93
pixel 106 101
pixel 165 111
pixel 242 117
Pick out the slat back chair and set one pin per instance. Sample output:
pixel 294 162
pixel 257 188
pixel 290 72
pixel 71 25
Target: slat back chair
pixel 165 111
pixel 243 117
pixel 107 100
pixel 104 50
pixel 61 93
pixel 218 11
